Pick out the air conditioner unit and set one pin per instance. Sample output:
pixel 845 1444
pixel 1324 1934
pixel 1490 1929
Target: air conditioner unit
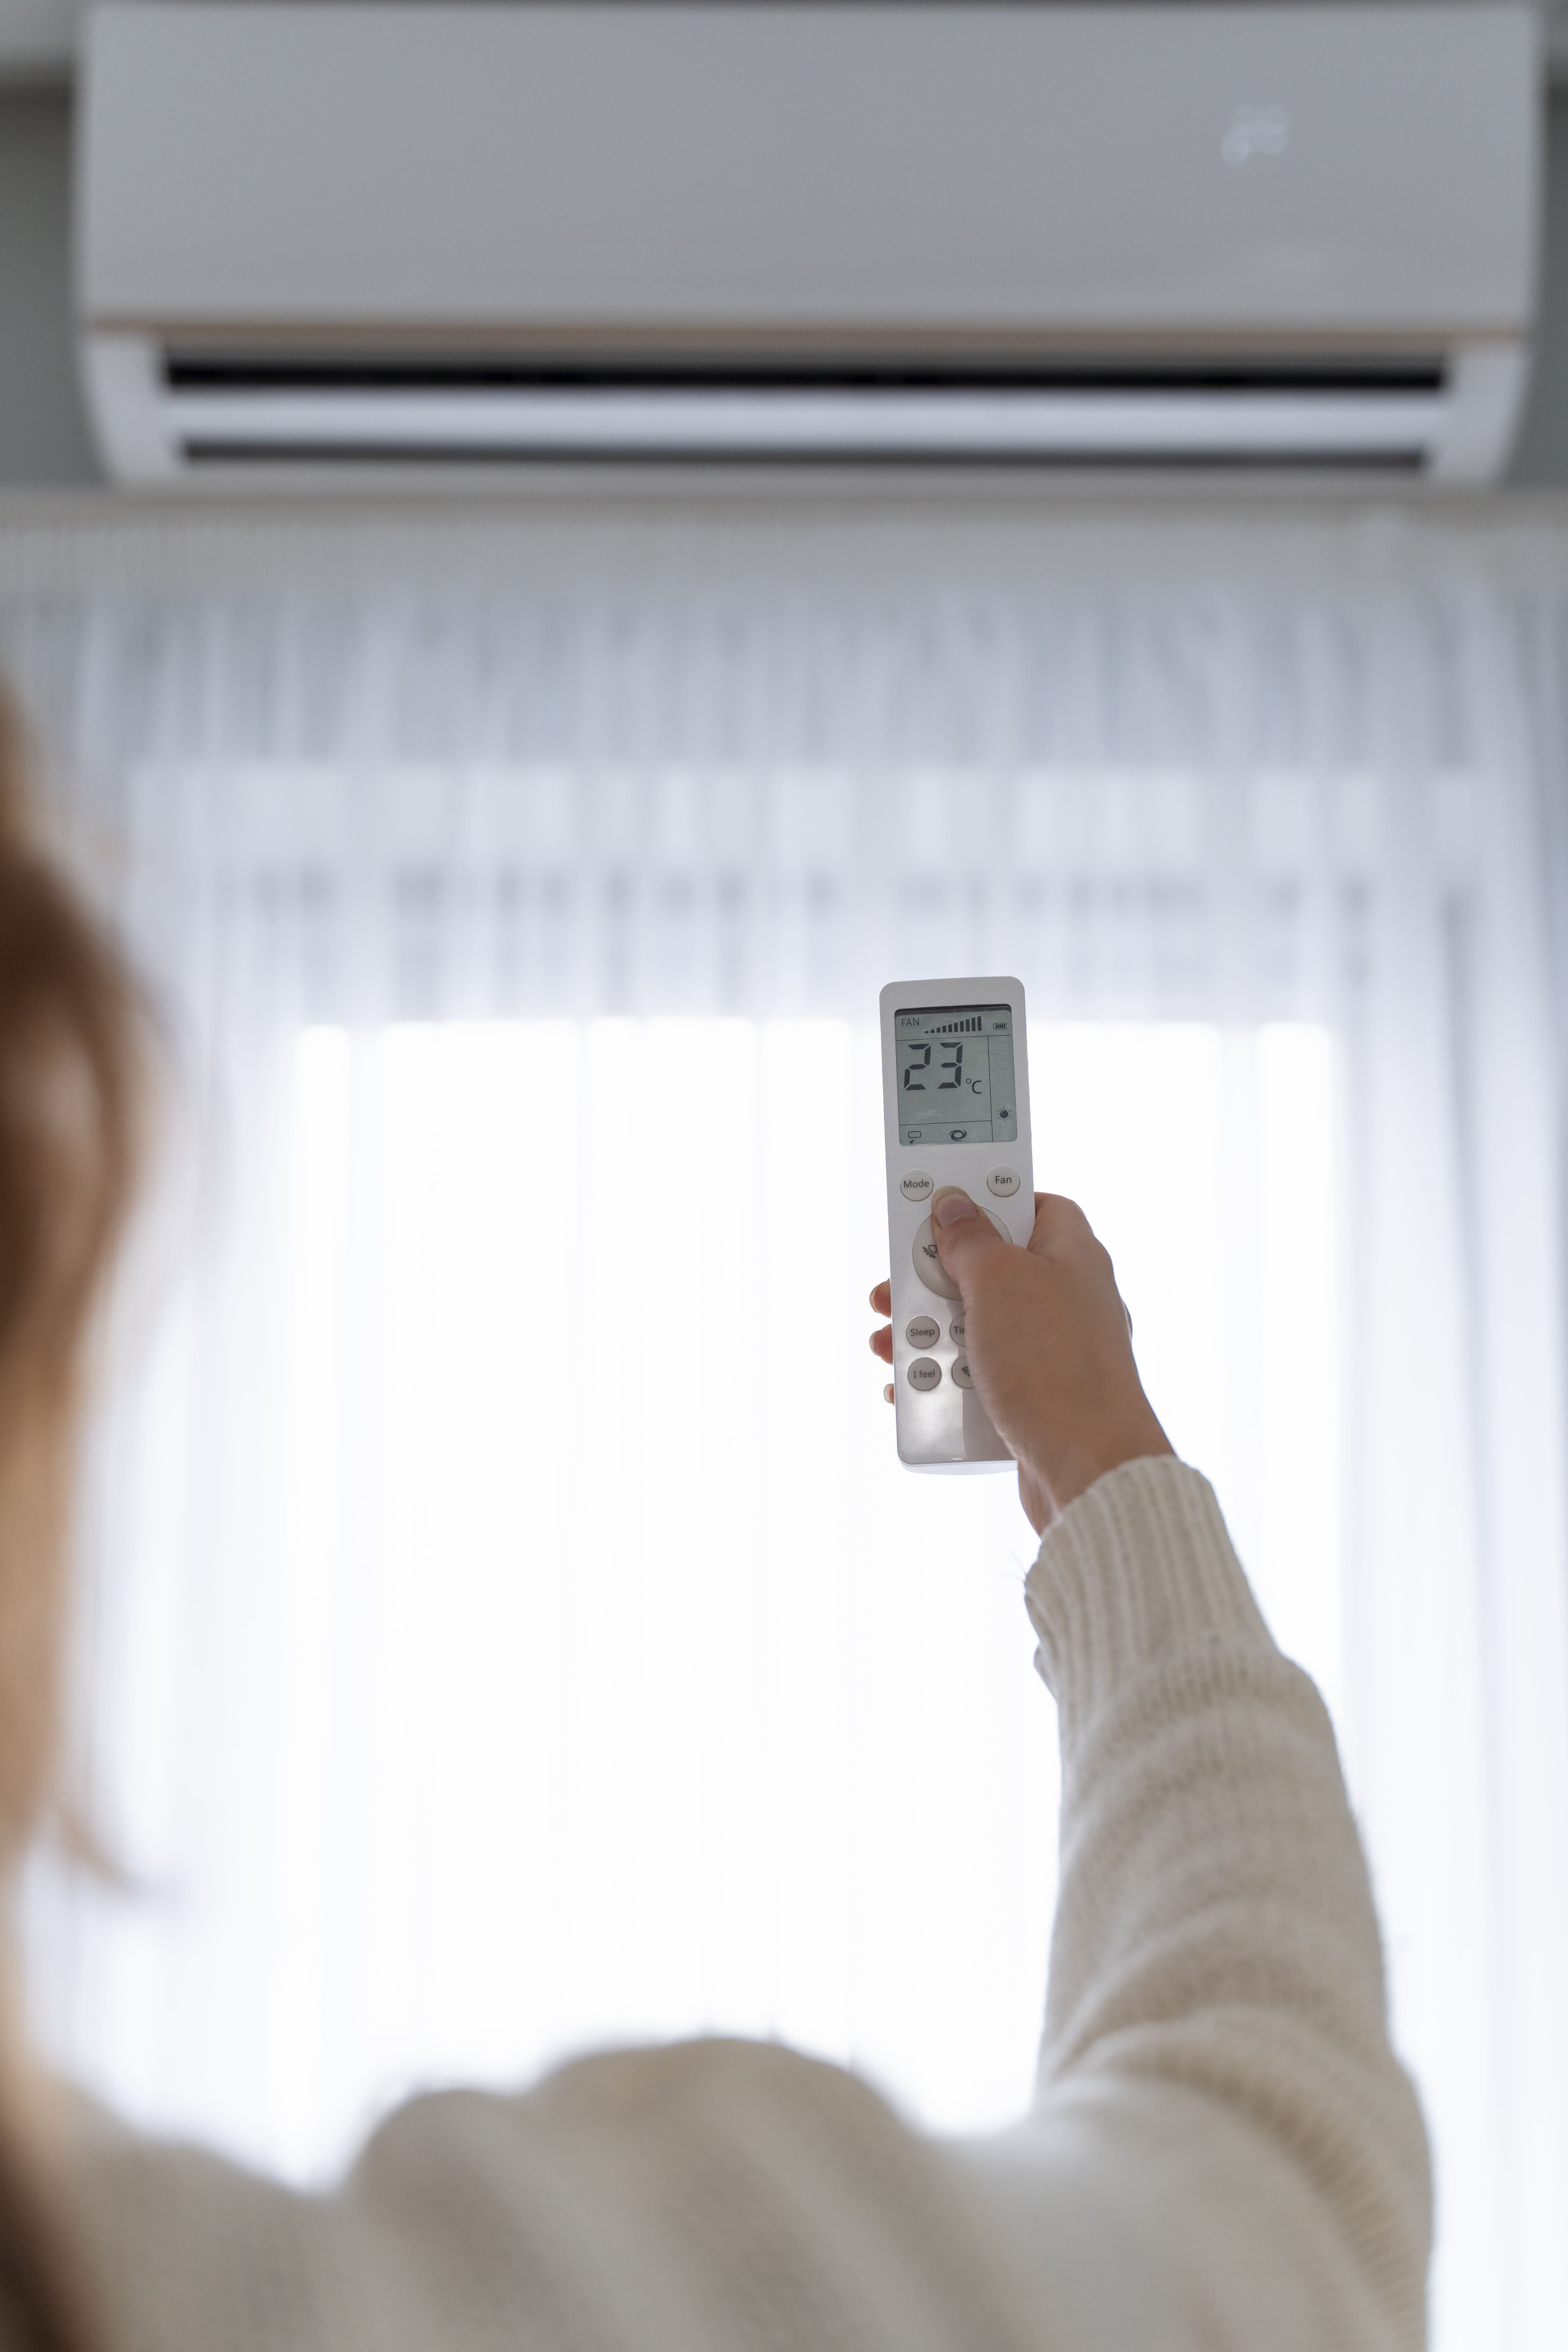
pixel 411 241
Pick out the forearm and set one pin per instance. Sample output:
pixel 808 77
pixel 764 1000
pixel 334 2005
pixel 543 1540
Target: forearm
pixel 1215 1926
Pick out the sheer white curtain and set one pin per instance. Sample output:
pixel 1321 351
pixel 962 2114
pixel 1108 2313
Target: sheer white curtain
pixel 507 1626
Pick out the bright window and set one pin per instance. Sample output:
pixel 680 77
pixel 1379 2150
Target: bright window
pixel 612 1679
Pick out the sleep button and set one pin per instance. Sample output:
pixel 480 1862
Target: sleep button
pixel 924 1373
pixel 1003 1183
pixel 922 1331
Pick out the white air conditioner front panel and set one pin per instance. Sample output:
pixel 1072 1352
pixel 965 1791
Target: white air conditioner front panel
pixel 771 170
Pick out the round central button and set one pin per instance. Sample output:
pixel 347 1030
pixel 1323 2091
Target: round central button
pixel 929 1266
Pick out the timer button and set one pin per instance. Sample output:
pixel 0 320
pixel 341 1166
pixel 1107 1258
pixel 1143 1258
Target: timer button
pixel 922 1331
pixel 1003 1183
pixel 955 1330
pixel 961 1373
pixel 924 1373
pixel 916 1185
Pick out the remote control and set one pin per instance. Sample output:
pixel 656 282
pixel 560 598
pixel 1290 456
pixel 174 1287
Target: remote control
pixel 955 1097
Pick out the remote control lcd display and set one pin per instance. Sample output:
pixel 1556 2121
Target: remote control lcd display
pixel 955 1075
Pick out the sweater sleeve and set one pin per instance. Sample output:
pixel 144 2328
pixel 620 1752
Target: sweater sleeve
pixel 1217 2099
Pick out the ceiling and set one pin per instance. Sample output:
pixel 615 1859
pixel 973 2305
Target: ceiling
pixel 37 37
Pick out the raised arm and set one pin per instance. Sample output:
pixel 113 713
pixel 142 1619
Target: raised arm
pixel 1224 2147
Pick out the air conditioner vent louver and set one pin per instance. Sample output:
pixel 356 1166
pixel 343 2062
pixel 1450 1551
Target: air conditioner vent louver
pixel 1224 237
pixel 320 408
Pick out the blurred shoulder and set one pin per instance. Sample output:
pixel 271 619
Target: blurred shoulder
pixel 714 2193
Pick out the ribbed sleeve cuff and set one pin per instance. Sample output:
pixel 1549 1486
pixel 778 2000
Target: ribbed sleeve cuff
pixel 1139 1567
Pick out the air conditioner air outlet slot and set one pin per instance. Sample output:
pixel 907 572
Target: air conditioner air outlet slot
pixel 235 372
pixel 317 408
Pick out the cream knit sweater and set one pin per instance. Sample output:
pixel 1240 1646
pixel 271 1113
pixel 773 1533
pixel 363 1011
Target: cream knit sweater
pixel 1223 2152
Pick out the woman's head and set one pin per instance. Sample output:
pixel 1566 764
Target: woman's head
pixel 71 1077
pixel 71 1062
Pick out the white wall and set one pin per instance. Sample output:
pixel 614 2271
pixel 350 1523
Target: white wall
pixel 43 433
pixel 1541 458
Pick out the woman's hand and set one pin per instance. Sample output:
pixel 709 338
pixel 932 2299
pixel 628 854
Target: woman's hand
pixel 1048 1346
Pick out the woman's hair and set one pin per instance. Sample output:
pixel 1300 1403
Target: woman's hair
pixel 72 1066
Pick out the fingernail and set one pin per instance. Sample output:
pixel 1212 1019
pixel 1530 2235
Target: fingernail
pixel 954 1209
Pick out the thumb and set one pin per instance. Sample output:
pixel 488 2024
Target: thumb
pixel 962 1234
